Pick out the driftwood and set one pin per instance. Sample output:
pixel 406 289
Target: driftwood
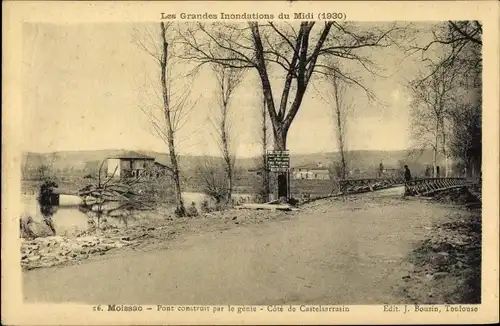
pixel 125 195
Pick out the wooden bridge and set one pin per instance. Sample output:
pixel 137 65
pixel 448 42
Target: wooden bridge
pixel 429 186
pixel 368 184
pixel 415 187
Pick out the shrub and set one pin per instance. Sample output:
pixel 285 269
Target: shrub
pixel 192 211
pixel 157 190
pixel 214 180
pixel 205 206
pixel 25 230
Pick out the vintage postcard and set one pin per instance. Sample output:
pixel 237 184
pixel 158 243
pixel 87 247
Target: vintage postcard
pixel 274 162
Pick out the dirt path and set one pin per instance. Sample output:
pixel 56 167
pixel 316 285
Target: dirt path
pixel 331 252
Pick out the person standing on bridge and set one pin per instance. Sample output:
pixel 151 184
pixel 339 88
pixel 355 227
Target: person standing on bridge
pixel 407 174
pixel 407 177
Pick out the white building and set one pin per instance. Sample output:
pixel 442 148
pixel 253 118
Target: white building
pixel 311 172
pixel 133 165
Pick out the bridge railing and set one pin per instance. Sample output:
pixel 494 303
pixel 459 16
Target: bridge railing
pixel 426 186
pixel 368 184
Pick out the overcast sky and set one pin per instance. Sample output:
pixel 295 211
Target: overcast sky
pixel 82 91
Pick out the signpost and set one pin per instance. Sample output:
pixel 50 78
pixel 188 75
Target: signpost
pixel 279 162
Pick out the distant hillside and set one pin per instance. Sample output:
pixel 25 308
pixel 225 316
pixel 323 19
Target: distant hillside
pixel 83 161
pixel 79 162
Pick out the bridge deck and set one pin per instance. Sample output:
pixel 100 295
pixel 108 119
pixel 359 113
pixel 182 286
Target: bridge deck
pixel 415 187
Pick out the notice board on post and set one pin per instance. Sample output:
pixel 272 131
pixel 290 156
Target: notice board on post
pixel 278 161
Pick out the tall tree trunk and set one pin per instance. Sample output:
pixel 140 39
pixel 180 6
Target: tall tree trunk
pixel 229 176
pixel 340 131
pixel 280 145
pixel 265 170
pixel 340 136
pixel 344 163
pixel 180 209
pixel 445 152
pixel 435 151
pixel 226 153
pixel 230 186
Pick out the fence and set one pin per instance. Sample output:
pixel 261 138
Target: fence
pixel 427 186
pixel 367 184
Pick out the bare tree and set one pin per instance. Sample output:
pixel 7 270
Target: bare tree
pixel 46 170
pixel 465 139
pixel 460 43
pixel 263 134
pixel 43 171
pixel 340 110
pixel 431 98
pixel 214 180
pixel 168 113
pixel 295 51
pixel 264 142
pixel 228 79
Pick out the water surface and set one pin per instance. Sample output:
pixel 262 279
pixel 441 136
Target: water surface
pixel 69 221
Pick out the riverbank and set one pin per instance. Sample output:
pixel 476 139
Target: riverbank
pixel 446 266
pixel 152 232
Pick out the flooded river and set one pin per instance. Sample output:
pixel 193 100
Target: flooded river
pixel 69 221
pixel 66 220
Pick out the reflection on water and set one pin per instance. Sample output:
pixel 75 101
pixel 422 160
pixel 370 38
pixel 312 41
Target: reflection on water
pixel 72 220
pixel 68 221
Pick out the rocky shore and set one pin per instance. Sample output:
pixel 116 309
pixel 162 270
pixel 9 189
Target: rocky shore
pixel 56 250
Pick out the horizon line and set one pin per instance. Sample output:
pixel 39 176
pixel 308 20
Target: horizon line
pixel 193 154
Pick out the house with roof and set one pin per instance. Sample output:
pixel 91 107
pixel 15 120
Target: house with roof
pixel 134 165
pixel 311 172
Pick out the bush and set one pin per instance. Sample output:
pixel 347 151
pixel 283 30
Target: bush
pixel 205 206
pixel 192 211
pixel 24 223
pixel 214 180
pixel 158 190
pixel 46 195
pixel 177 212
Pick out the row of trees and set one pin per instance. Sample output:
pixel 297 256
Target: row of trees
pixel 288 58
pixel 447 102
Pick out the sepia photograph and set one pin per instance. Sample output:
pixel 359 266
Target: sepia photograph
pixel 254 159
